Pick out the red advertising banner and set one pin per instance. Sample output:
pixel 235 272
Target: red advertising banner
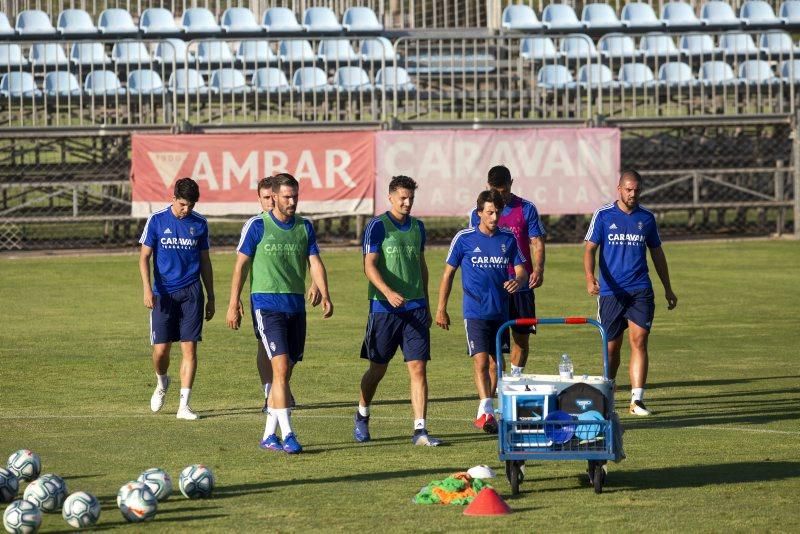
pixel 561 170
pixel 336 171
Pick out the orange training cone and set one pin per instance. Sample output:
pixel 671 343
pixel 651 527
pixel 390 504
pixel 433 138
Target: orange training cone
pixel 487 502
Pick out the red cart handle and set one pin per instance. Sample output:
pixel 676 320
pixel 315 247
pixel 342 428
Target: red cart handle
pixel 533 322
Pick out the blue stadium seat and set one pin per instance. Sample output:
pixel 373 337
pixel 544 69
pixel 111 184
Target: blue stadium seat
pixel 790 71
pixel 520 17
pixel 11 56
pixel 75 22
pixel 5 26
pixel 47 55
pixel 159 21
pixel 61 84
pixel 214 53
pixel 321 19
pixel 394 79
pixel 758 12
pixel 296 51
pixel 281 19
pixel 658 45
pixel 560 17
pixel 698 45
pixel 336 51
pixel 270 80
pixel 538 48
pixel 102 83
pixel 618 46
pixel 352 79
pixel 310 80
pixel 578 47
pixel 640 16
pixel 130 53
pixel 34 22
pixel 255 53
pixel 173 50
pixel 240 20
pixel 636 76
pixel 718 13
pixel 229 82
pixel 20 85
pixel 596 76
pixel 778 43
pixel 361 19
pixel 116 22
pixel 87 54
pixel 676 74
pixel 188 82
pixel 679 14
pixel 790 11
pixel 716 73
pixel 600 16
pixel 551 77
pixel 199 20
pixel 145 82
pixel 757 72
pixel 738 44
pixel 379 49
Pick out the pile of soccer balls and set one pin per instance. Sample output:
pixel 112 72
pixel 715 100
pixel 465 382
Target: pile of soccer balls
pixel 137 500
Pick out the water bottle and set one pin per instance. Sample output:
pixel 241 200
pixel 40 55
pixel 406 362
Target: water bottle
pixel 565 366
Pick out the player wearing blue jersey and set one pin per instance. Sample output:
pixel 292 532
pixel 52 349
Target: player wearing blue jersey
pixel 623 231
pixel 177 239
pixel 484 254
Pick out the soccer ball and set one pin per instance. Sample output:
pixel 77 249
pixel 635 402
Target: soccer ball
pixel 81 510
pixel 197 481
pixel 25 464
pixel 124 490
pixel 9 485
pixel 158 481
pixel 139 504
pixel 47 492
pixel 22 517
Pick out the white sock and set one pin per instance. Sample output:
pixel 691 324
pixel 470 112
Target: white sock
pixel 419 424
pixel 637 394
pixel 282 415
pixel 185 394
pixel 162 381
pixel 485 406
pixel 271 426
pixel 363 411
pixel 515 369
pixel 267 387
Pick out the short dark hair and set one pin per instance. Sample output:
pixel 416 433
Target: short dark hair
pixel 493 197
pixel 265 183
pixel 283 178
pixel 499 176
pixel 630 174
pixel 402 182
pixel 187 189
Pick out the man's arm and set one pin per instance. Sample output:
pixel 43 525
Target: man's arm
pixel 660 263
pixel 442 318
pixel 423 269
pixel 320 277
pixel 374 276
pixel 144 271
pixel 537 255
pixel 589 252
pixel 207 274
pixel 238 278
pixel 520 277
pixel 313 295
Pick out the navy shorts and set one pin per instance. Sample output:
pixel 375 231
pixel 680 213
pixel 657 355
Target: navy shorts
pixel 406 330
pixel 481 336
pixel 522 305
pixel 615 311
pixel 282 333
pixel 178 316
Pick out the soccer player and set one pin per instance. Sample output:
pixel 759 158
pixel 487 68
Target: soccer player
pixel 622 230
pixel 521 217
pixel 484 254
pixel 279 244
pixel 176 238
pixel 399 316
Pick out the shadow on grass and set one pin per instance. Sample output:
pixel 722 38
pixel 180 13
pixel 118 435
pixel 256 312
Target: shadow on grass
pixel 121 523
pixel 718 381
pixel 771 414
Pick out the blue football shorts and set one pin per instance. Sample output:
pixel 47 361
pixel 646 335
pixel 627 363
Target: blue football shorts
pixel 614 311
pixel 178 316
pixel 282 333
pixel 406 330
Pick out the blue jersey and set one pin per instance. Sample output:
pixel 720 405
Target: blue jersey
pixel 484 262
pixel 176 245
pixel 374 234
pixel 623 240
pixel 252 232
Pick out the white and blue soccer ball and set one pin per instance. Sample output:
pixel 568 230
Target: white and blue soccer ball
pixel 22 517
pixel 158 481
pixel 125 489
pixel 81 510
pixel 25 464
pixel 9 485
pixel 197 482
pixel 47 492
pixel 139 504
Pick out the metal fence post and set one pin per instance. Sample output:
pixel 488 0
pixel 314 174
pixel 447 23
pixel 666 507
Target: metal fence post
pixel 796 175
pixel 779 197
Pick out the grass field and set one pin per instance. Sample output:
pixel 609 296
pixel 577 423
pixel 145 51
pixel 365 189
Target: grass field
pixel 721 453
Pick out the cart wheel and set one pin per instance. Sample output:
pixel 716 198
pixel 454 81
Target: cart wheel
pixel 513 474
pixel 599 477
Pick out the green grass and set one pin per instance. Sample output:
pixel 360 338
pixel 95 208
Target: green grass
pixel 721 453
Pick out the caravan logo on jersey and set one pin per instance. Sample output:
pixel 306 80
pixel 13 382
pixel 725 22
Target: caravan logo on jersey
pixel 183 243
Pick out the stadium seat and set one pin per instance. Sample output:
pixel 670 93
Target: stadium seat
pixel 757 72
pixel 551 77
pixel 636 76
pixel 296 51
pixel 47 55
pixel 11 56
pixel 255 53
pixel 738 44
pixel 5 26
pixel 394 79
pixel 560 17
pixel 75 22
pixel 102 83
pixel 617 46
pixel 596 76
pixel 778 43
pixel 321 19
pixel 352 79
pixel 145 82
pixel 336 51
pixel 34 22
pixel 718 13
pixel 229 82
pixel 640 16
pixel 520 17
pixel 188 82
pixel 758 12
pixel 214 53
pixel 698 45
pixel 379 49
pixel 658 45
pixel 600 17
pixel 578 47
pixel 116 22
pixel 716 73
pixel 679 14
pixel 172 51
pixel 310 80
pixel 538 48
pixel 19 85
pixel 790 71
pixel 281 19
pixel 361 19
pixel 87 54
pixel 199 20
pixel 240 20
pixel 790 11
pixel 270 80
pixel 61 84
pixel 130 53
pixel 676 74
pixel 159 21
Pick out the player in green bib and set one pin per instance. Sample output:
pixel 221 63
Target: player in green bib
pixel 399 316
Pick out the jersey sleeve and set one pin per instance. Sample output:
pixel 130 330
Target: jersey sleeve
pixel 313 249
pixel 149 233
pixel 373 236
pixel 474 220
pixel 652 239
pixel 594 234
pixel 422 236
pixel 456 252
pixel 535 226
pixel 252 232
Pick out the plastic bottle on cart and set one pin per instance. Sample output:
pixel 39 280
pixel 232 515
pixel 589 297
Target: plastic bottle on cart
pixel 565 367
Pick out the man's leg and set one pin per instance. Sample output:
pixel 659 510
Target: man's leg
pixel 638 336
pixel 161 366
pixel 188 369
pixel 614 347
pixel 519 348
pixel 417 373
pixel 264 372
pixel 492 372
pixel 481 364
pixel 369 382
